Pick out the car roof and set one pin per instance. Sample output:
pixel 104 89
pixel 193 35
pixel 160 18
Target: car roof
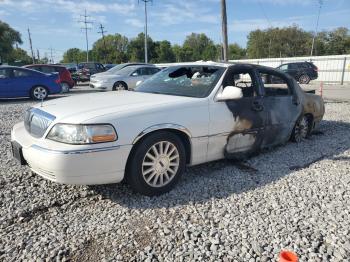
pixel 48 65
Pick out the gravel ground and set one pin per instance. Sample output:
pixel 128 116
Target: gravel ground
pixel 294 197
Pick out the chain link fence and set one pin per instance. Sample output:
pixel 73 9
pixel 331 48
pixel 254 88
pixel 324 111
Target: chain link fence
pixel 331 69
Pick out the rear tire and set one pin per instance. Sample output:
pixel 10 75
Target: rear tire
pixel 39 93
pixel 120 86
pixel 304 79
pixel 65 87
pixel 302 129
pixel 156 164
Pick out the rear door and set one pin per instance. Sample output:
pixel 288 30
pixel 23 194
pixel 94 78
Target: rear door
pixel 22 81
pixel 282 106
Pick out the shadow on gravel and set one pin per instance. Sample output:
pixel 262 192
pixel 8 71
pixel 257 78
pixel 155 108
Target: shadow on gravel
pixel 221 179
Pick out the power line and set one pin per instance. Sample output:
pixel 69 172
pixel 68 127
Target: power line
pixel 146 51
pixel 86 28
pixel 102 32
pixel 320 2
pixel 269 24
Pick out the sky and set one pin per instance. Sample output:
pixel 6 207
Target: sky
pixel 55 23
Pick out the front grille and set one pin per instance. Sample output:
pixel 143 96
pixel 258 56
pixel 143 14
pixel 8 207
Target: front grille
pixel 37 121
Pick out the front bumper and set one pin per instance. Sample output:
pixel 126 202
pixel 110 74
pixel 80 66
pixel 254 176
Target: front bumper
pixel 72 164
pixel 101 85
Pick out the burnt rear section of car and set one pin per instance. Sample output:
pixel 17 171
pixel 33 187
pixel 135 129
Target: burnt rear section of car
pixel 273 124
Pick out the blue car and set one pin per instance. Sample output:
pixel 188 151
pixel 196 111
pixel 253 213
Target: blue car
pixel 22 82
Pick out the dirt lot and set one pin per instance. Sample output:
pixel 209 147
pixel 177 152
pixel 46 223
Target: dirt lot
pixel 294 197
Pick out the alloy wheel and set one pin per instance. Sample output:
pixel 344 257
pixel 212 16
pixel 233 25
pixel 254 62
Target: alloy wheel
pixel 301 129
pixel 160 164
pixel 40 92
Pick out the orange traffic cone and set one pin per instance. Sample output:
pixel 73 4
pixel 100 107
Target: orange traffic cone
pixel 288 256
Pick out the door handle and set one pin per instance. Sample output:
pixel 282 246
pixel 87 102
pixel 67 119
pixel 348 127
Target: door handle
pixel 257 106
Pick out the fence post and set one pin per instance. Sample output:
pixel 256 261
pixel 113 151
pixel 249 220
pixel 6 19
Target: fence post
pixel 343 72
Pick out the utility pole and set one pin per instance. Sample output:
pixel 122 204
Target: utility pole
pixel 51 55
pixel 320 2
pixel 146 51
pixel 86 28
pixel 224 29
pixel 31 46
pixel 102 32
pixel 38 55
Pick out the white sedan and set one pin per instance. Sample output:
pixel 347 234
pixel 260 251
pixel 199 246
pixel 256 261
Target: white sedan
pixel 126 78
pixel 184 115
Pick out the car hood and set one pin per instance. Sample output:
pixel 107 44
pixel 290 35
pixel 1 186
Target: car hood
pixel 82 108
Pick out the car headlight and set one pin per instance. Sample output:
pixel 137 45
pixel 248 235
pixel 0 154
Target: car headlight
pixel 82 134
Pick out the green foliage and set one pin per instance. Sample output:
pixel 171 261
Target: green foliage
pixel 199 47
pixel 18 56
pixel 8 38
pixel 235 51
pixel 111 49
pixel 74 55
pixel 294 41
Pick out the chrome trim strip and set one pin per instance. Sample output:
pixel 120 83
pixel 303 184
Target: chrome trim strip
pixel 162 126
pixel 75 152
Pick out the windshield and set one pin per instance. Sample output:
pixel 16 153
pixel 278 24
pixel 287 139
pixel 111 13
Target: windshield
pixel 125 71
pixel 116 68
pixel 192 81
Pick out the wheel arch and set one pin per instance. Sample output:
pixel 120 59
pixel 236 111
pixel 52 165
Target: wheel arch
pixel 178 130
pixel 36 85
pixel 120 81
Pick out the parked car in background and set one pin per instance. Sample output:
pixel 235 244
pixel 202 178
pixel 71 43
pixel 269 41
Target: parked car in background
pixel 116 68
pixel 303 72
pixel 184 115
pixel 23 82
pixel 123 79
pixel 72 68
pixel 109 66
pixel 66 80
pixel 87 69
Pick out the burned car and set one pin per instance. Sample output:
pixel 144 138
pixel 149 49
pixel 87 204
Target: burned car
pixel 183 115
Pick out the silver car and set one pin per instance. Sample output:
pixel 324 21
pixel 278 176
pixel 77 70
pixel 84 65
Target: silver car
pixel 123 79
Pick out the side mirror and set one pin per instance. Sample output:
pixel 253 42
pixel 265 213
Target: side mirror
pixel 138 82
pixel 229 93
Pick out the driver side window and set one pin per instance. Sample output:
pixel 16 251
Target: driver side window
pixel 243 79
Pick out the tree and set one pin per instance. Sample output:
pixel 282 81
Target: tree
pixel 236 52
pixel 112 49
pixel 74 55
pixel 338 41
pixel 199 47
pixel 18 56
pixel 136 48
pixel 164 52
pixel 8 38
pixel 279 42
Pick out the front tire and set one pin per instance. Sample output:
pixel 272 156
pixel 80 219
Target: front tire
pixel 120 86
pixel 157 164
pixel 301 129
pixel 39 93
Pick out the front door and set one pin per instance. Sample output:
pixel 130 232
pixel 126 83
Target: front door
pixel 5 83
pixel 237 126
